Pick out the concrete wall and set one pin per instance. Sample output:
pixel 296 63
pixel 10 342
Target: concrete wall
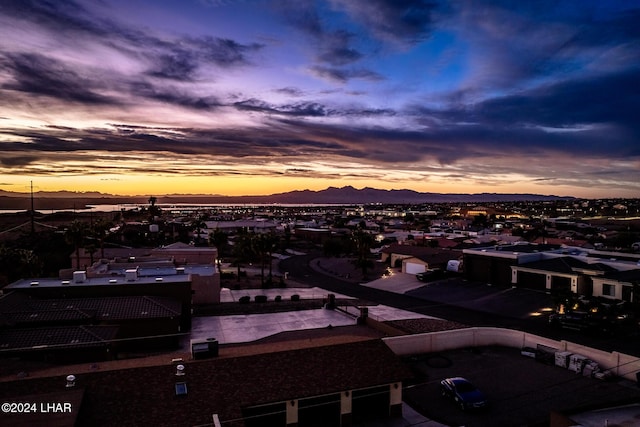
pixel 619 364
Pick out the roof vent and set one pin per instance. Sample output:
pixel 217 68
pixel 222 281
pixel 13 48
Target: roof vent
pixel 113 281
pixel 65 282
pixel 79 276
pixel 180 370
pixel 159 279
pixel 180 270
pixel 71 381
pixel 34 283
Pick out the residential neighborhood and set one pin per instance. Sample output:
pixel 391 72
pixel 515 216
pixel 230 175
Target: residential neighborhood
pixel 158 295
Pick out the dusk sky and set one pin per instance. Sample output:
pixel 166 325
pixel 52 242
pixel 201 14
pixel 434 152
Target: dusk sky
pixel 259 97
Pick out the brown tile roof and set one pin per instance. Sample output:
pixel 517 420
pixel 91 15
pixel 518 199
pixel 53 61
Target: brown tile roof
pixel 106 308
pixel 59 337
pixel 567 265
pixel 146 396
pixel 14 318
pixel 424 253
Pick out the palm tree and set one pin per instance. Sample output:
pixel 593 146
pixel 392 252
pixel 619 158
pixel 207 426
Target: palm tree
pixel 242 249
pixel 99 232
pixel 264 245
pixel 362 242
pixel 75 235
pixel 220 240
pixel 17 264
pixel 197 225
pixel 153 209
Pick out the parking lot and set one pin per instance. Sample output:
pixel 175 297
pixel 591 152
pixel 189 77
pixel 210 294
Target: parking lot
pixel 521 390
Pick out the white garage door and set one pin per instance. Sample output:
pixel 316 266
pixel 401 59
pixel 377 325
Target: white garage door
pixel 414 268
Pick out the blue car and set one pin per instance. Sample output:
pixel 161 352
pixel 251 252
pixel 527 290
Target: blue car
pixel 463 393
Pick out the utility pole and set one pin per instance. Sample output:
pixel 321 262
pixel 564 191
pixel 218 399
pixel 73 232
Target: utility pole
pixel 33 230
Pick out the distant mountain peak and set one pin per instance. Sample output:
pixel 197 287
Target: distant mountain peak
pixel 347 195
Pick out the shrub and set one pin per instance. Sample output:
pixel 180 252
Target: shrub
pixel 278 298
pixel 245 299
pixel 261 298
pixel 295 297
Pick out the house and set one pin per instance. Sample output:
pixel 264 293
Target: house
pixel 182 254
pixel 619 285
pixel 333 385
pixel 561 273
pixel 550 268
pixel 417 259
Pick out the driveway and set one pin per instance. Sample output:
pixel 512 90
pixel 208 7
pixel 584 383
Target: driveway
pixel 521 390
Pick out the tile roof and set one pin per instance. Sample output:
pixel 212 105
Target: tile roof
pixel 59 337
pixel 566 265
pixel 14 318
pixel 105 308
pixel 427 254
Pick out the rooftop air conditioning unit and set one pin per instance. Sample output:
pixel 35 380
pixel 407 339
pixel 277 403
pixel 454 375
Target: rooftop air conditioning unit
pixel 204 349
pixel 79 276
pixel 131 275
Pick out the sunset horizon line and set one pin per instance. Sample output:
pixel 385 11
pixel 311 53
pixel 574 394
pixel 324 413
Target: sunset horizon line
pixel 98 193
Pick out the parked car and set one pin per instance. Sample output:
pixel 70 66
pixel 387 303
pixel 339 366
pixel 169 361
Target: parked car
pixel 463 393
pixel 581 321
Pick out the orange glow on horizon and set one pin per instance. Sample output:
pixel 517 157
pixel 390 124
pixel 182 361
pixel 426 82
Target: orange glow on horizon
pixel 138 185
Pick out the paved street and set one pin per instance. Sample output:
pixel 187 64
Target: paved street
pixel 457 300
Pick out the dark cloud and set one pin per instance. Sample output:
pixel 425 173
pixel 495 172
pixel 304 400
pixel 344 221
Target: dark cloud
pixel 178 58
pixel 221 51
pixel 541 81
pixel 290 91
pixel 404 21
pixel 336 49
pixel 13 160
pixel 178 66
pixel 308 109
pixel 67 18
pixel 590 115
pixel 299 109
pixel 169 95
pixel 42 76
pixel 333 47
pixel 342 75
pixel 516 43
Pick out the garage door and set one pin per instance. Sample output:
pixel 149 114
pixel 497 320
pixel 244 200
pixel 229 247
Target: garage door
pixel 323 411
pixel 370 404
pixel 532 280
pixel 414 268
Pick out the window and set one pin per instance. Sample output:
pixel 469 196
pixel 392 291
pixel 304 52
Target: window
pixel 608 290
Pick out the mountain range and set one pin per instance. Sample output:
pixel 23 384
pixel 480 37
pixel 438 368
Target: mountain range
pixel 345 195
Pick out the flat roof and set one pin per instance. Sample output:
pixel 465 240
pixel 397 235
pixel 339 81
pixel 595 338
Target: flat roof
pixel 98 281
pixel 145 275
